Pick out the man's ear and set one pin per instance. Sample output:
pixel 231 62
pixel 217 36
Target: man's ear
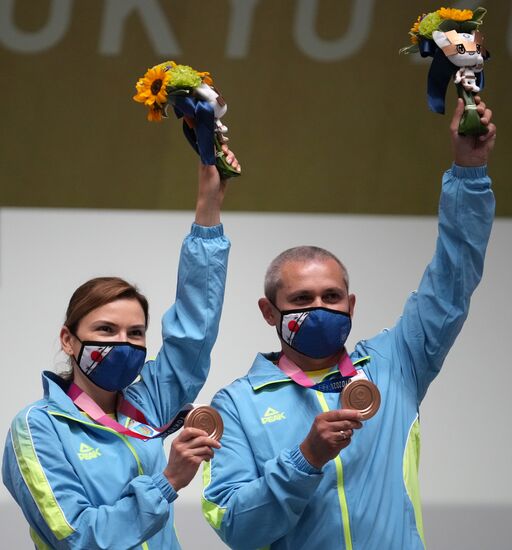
pixel 351 304
pixel 268 311
pixel 65 341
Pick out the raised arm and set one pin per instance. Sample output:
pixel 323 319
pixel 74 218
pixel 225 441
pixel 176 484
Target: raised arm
pixel 190 326
pixel 435 313
pixel 211 191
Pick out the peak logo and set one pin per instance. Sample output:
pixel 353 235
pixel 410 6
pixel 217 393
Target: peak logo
pixel 87 452
pixel 271 415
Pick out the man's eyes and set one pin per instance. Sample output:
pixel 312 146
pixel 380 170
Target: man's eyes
pixel 329 298
pixel 332 297
pixel 302 298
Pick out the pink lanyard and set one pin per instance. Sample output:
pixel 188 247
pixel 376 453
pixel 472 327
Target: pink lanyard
pixel 137 418
pixel 345 367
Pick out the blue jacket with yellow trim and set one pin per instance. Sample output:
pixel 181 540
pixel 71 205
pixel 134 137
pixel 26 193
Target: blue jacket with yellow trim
pixel 81 485
pixel 259 491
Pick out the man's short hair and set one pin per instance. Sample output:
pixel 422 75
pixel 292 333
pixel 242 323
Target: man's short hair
pixel 273 280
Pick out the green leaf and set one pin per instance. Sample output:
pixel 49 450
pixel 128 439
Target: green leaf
pixel 479 14
pixel 449 25
pixel 413 48
pixel 469 26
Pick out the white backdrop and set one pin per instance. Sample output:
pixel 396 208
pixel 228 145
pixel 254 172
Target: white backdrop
pixel 466 443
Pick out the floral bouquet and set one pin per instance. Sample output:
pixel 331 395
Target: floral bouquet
pixel 452 38
pixel 193 98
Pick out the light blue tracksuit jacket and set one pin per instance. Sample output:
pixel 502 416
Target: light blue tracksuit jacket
pixel 84 486
pixel 260 492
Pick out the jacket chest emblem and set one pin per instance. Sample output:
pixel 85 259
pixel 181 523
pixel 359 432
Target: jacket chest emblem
pixel 87 452
pixel 271 415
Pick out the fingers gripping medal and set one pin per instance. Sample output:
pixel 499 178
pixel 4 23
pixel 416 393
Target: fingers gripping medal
pixel 205 418
pixel 192 96
pixel 363 396
pixel 453 40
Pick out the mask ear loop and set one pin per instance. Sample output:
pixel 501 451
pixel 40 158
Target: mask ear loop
pixel 279 326
pixel 77 361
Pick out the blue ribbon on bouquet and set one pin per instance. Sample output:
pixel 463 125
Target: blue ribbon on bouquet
pixel 202 136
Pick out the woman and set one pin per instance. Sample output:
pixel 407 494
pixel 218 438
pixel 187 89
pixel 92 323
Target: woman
pixel 75 461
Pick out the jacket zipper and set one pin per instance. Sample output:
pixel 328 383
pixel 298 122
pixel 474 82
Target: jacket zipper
pixel 345 520
pixel 140 470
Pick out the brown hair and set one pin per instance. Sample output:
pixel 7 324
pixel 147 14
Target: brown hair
pixel 98 292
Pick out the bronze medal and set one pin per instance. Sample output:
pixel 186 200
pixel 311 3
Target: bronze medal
pixel 363 396
pixel 205 418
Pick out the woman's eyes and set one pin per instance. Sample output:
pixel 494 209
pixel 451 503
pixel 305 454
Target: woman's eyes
pixel 135 333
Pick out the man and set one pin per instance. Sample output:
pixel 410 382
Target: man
pixel 297 471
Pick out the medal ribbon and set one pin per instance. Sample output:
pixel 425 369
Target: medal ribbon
pixel 333 385
pixel 92 409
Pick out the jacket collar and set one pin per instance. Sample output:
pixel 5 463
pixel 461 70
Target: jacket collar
pixel 264 370
pixel 55 389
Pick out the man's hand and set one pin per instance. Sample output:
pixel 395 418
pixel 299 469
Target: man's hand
pixel 472 150
pixel 188 450
pixel 330 432
pixel 212 189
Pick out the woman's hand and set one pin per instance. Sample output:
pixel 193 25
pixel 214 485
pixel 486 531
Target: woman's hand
pixel 188 450
pixel 211 191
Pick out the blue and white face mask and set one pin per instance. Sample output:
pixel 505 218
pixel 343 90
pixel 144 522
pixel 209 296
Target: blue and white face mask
pixel 316 332
pixel 112 366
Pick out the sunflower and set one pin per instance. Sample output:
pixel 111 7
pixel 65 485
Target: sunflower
pixel 152 87
pixel 206 77
pixel 164 79
pixel 155 113
pixel 415 29
pixel 455 14
pixel 442 19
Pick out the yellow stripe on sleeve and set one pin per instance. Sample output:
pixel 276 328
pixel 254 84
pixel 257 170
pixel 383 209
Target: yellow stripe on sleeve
pixel 35 478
